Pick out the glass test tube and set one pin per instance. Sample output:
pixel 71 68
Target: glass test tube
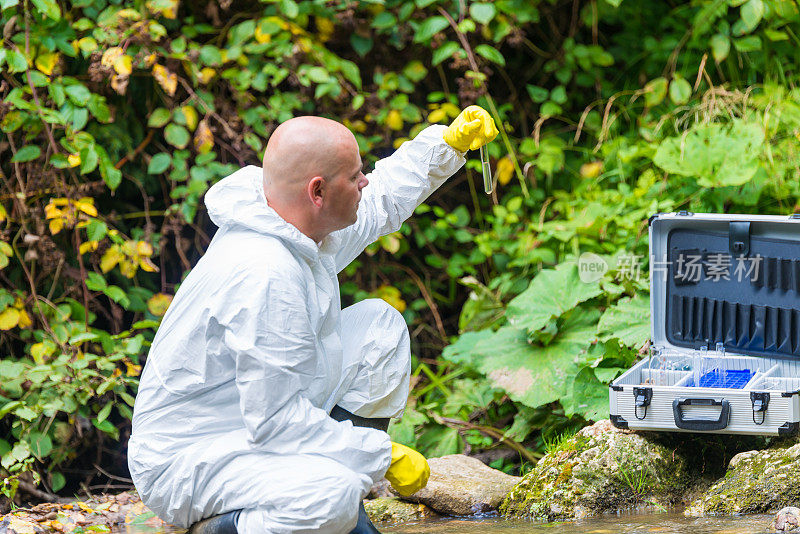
pixel 487 171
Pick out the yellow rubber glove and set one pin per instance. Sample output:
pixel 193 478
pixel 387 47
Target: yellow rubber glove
pixel 472 129
pixel 409 470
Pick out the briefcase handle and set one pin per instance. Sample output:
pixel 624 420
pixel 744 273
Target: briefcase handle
pixel 701 424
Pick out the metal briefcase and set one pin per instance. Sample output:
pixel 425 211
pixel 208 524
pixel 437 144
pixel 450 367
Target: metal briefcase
pixel 725 328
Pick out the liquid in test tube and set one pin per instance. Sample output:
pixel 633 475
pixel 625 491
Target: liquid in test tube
pixel 487 171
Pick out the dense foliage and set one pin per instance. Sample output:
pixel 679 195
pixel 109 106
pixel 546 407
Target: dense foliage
pixel 117 115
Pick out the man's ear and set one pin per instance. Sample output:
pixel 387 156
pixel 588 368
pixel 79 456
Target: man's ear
pixel 316 190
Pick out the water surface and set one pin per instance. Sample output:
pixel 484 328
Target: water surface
pixel 668 523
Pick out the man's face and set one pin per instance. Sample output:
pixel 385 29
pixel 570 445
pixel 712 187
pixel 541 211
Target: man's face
pixel 344 191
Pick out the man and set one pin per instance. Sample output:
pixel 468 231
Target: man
pixel 263 405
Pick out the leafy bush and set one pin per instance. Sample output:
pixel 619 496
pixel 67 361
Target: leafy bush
pixel 117 115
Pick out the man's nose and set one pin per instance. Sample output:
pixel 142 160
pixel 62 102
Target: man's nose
pixel 364 182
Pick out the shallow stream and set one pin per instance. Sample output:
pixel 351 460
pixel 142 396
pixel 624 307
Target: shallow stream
pixel 669 523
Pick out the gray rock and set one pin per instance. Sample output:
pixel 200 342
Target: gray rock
pixel 460 485
pixel 600 469
pixel 786 520
pixel 757 482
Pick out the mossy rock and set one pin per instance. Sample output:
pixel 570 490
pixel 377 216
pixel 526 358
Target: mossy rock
pixel 600 469
pixel 389 510
pixel 759 481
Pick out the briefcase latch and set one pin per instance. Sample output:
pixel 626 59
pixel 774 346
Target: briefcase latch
pixel 642 398
pixel 739 238
pixel 760 401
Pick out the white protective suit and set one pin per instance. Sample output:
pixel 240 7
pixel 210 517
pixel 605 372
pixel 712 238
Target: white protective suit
pixel 254 352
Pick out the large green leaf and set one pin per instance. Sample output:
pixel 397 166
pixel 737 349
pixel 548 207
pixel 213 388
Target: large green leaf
pixel 550 294
pixel 628 320
pixel 536 375
pixel 717 154
pixel 587 397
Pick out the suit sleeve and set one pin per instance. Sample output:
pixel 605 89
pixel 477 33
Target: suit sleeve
pixel 274 348
pixel 396 187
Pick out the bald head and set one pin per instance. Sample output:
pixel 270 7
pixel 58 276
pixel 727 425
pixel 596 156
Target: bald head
pixel 302 148
pixel 306 164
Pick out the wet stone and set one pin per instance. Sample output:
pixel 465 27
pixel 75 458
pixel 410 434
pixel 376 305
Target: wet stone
pixel 392 510
pixel 464 486
pixel 787 520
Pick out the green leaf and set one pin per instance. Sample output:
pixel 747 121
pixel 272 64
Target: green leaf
pixel 550 295
pixel 158 118
pixel 444 52
pixel 384 20
pixel 718 155
pixel 159 163
pixel 8 407
pixel 97 105
pixel 751 14
pixel 176 135
pixel 41 445
pixel 559 94
pixel 430 27
pixel 537 94
pixel 655 91
pixel 88 159
pixel 95 282
pixel 532 374
pixel 490 53
pixel 5 4
pixel 48 7
pixel 96 230
pixel 751 43
pixel 57 481
pixel 83 337
pixel 16 62
pixel 362 45
pixel 720 47
pixel 680 90
pixel 25 413
pixel 290 8
pixel 26 153
pixel 102 415
pixel 587 397
pixel 117 294
pixel 482 12
pixel 628 320
pixel 210 55
pixel 78 94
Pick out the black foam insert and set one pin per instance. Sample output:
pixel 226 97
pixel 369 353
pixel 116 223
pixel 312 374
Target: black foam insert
pixel 750 303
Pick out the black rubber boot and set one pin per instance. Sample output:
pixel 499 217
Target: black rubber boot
pixel 218 524
pixel 364 525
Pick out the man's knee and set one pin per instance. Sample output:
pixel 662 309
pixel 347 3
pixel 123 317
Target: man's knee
pixel 343 493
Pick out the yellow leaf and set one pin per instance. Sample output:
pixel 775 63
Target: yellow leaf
pixel 325 28
pixel 158 304
pixel 437 115
pixel 591 169
pixel 110 258
pixel 47 62
pixel 166 79
pixel 87 44
pixel 391 242
pixel 5 249
pixel 21 526
pixel 143 248
pixel 148 265
pixel 262 37
pixel 129 248
pixel 206 73
pixel 56 225
pixel 123 65
pixel 9 318
pixel 150 59
pixel 399 141
pixel 24 319
pixel 505 170
pixel 119 83
pixel 3 213
pixel 128 268
pixel 74 160
pixel 132 369
pixel 40 351
pixel 391 295
pixel 110 56
pixel 203 138
pixel 86 205
pixel 191 116
pixel 88 246
pixel 394 120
